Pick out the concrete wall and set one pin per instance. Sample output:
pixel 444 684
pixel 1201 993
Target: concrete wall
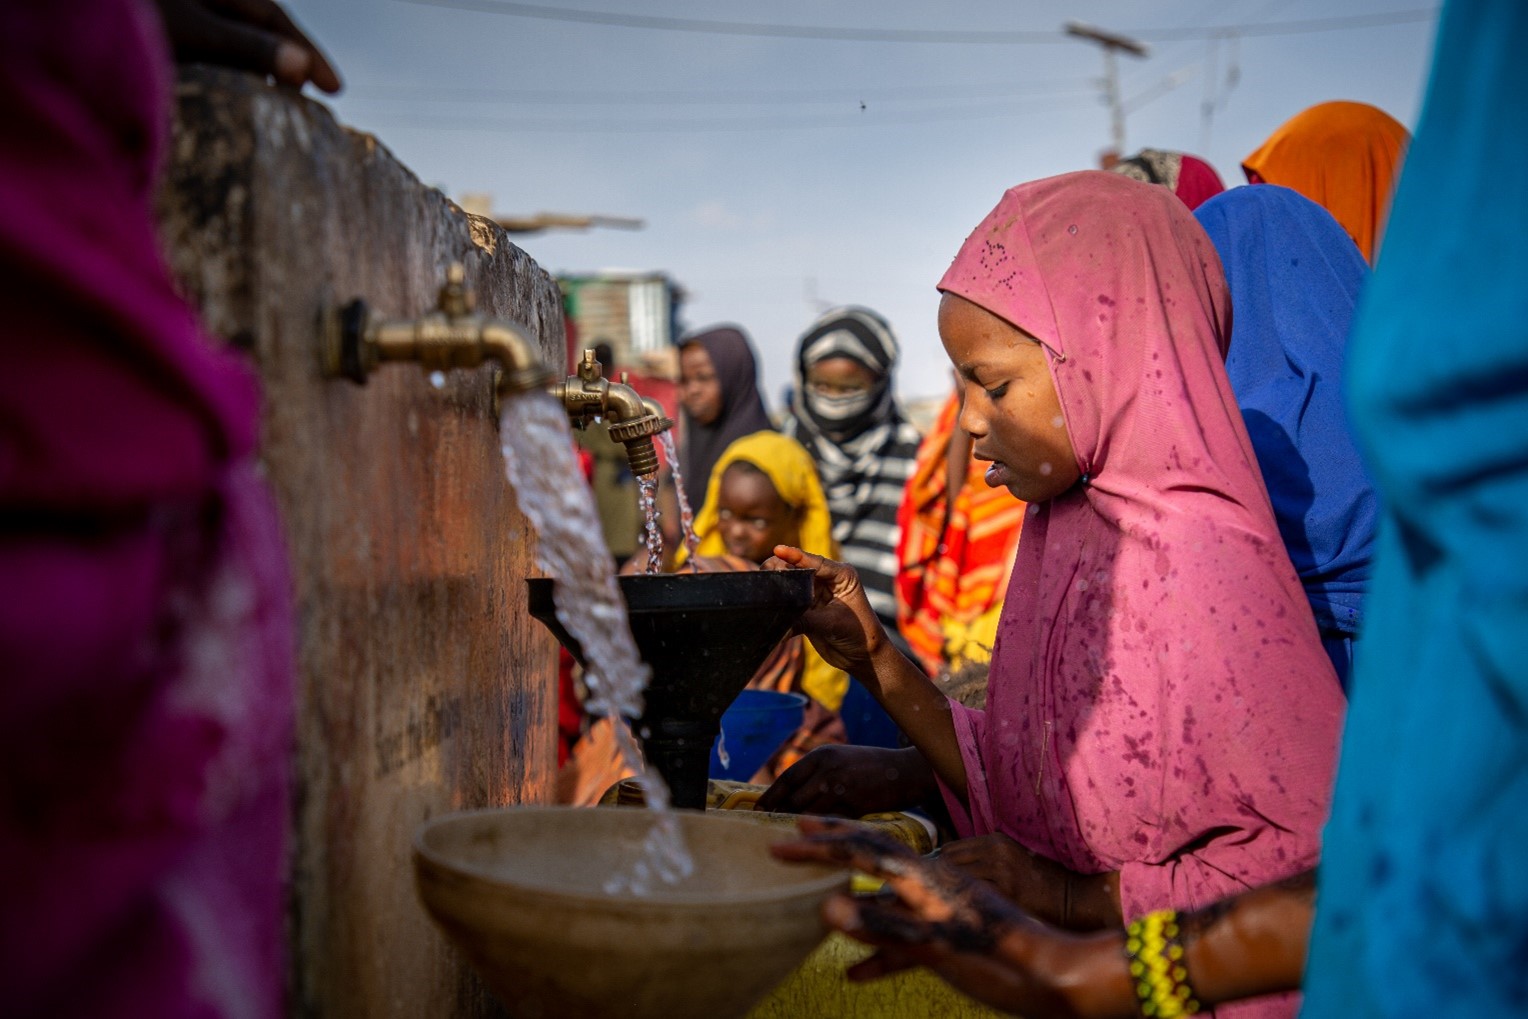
pixel 424 686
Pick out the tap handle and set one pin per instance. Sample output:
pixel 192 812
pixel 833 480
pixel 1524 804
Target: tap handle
pixel 589 368
pixel 456 298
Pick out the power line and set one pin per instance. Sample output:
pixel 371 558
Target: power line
pixel 1112 44
pixel 386 93
pixel 696 125
pixel 1160 89
pixel 1306 27
pixel 1177 47
pixel 709 27
pixel 986 37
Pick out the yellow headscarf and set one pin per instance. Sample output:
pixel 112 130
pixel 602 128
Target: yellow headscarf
pixel 790 469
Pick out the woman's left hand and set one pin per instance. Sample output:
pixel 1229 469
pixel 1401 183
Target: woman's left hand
pixel 840 624
pixel 851 781
pixel 932 915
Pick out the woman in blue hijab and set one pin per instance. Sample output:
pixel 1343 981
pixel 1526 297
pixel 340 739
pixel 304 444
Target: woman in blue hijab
pixel 1295 275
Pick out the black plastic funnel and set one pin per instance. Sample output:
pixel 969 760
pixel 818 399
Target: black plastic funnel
pixel 703 635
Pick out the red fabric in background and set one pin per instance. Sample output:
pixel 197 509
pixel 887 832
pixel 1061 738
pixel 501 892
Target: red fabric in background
pixel 1197 181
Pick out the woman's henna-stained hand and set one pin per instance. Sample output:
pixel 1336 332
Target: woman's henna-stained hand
pixel 959 927
pixel 936 916
pixel 948 905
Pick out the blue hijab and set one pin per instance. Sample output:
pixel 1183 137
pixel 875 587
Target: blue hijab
pixel 1423 901
pixel 1295 276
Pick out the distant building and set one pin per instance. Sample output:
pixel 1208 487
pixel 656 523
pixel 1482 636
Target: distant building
pixel 637 313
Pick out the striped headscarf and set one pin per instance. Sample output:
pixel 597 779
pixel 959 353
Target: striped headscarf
pixel 865 460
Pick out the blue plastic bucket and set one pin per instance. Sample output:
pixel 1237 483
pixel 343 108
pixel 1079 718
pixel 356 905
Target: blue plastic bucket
pixel 756 725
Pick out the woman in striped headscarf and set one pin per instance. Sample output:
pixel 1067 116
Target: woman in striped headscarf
pixel 844 413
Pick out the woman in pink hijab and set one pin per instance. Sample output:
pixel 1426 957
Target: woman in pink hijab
pixel 1162 720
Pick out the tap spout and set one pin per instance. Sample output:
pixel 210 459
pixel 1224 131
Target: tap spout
pixel 656 408
pixel 634 420
pixel 452 335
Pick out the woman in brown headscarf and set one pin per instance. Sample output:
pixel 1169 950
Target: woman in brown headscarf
pixel 1343 156
pixel 719 391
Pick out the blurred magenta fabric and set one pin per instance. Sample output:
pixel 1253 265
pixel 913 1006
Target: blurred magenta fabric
pixel 145 622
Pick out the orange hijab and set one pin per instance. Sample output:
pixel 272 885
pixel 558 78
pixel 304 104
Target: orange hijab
pixel 1343 156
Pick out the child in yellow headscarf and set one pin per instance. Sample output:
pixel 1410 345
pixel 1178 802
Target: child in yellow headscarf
pixel 764 492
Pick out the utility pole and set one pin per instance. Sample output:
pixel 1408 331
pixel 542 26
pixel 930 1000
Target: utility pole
pixel 1111 44
pixel 480 204
pixel 562 221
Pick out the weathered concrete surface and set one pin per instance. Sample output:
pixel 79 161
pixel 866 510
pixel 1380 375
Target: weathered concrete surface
pixel 425 687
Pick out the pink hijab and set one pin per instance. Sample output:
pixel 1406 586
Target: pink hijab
pixel 1160 704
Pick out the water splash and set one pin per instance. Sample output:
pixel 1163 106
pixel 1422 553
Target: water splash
pixel 686 514
pixel 652 535
pixel 539 457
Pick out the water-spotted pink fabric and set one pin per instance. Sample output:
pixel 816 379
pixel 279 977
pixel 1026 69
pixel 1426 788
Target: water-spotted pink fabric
pixel 1160 704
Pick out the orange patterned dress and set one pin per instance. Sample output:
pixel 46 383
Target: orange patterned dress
pixel 954 557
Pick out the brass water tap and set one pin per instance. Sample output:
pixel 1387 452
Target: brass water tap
pixel 633 418
pixel 453 335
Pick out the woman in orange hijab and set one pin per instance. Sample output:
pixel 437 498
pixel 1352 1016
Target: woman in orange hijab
pixel 1343 156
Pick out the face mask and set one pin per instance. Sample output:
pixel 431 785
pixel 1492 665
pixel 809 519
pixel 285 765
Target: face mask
pixel 840 408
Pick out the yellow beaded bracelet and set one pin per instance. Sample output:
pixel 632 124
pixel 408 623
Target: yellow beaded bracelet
pixel 1155 956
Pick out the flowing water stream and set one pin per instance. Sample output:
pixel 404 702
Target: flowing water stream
pixel 652 535
pixel 686 512
pixel 543 471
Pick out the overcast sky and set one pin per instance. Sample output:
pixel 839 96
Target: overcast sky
pixel 778 174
